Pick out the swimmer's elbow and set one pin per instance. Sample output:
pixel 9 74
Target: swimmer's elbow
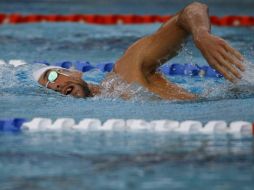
pixel 196 5
pixel 193 16
pixel 194 8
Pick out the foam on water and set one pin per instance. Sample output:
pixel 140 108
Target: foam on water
pixel 245 87
pixel 248 75
pixel 115 87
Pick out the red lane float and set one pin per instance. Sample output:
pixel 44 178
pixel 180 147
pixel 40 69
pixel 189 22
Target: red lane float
pixel 117 19
pixel 2 18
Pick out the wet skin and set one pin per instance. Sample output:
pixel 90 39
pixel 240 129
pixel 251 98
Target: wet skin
pixel 141 59
pixel 68 85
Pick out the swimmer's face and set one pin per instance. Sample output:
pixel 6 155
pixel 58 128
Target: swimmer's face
pixel 68 82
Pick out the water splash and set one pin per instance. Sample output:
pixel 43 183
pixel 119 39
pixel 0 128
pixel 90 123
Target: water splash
pixel 244 88
pixel 18 80
pixel 114 87
pixel 248 74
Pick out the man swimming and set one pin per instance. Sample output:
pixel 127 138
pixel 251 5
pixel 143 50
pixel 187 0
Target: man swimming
pixel 141 60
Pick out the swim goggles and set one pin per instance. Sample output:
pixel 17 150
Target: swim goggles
pixel 53 75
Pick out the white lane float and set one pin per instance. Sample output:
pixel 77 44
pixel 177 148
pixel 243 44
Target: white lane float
pixel 241 127
pixel 37 124
pixel 88 125
pixel 189 126
pixel 215 127
pixel 137 125
pixel 63 124
pixel 114 124
pixel 164 125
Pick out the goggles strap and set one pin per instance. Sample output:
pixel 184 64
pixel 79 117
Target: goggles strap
pixel 47 84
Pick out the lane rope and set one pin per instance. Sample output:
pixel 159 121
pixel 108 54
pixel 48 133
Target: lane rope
pixel 181 69
pixel 112 19
pixel 190 126
pixel 214 127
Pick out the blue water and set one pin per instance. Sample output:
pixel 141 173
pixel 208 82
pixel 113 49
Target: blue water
pixel 119 160
pixel 22 97
pixel 125 161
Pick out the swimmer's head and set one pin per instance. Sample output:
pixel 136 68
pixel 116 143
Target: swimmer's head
pixel 65 81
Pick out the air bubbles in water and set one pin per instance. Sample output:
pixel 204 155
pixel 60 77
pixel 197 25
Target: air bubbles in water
pixel 248 75
pixel 245 86
pixel 114 87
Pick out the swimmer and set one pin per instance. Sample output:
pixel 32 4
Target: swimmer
pixel 141 60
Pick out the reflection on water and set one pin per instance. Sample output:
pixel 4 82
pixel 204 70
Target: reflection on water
pixel 96 160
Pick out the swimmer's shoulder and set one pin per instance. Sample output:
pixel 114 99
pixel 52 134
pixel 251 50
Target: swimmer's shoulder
pixel 130 71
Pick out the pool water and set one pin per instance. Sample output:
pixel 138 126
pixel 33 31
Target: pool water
pixel 119 160
pixel 22 97
pixel 125 161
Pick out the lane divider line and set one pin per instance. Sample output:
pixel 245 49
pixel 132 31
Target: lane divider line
pixel 215 127
pixel 182 69
pixel 113 19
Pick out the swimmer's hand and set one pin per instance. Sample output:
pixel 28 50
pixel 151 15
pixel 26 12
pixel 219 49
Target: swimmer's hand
pixel 220 55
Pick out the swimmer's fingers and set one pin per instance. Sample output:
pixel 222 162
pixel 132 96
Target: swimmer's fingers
pixel 229 66
pixel 234 56
pixel 239 64
pixel 233 51
pixel 222 57
pixel 228 56
pixel 216 65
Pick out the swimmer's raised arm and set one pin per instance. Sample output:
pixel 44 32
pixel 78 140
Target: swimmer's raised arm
pixel 194 19
pixel 218 53
pixel 140 61
pixel 152 51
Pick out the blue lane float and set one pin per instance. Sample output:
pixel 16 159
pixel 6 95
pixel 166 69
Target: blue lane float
pixel 11 125
pixel 65 64
pixel 186 69
pixel 105 67
pixel 210 72
pixel 84 66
